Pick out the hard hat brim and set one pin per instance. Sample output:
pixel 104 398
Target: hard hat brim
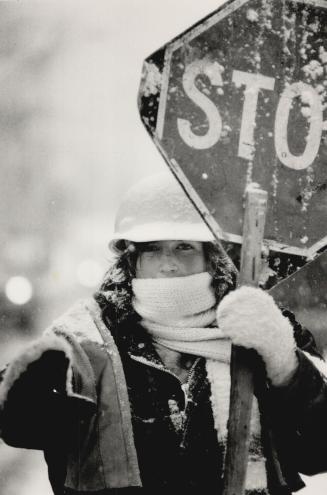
pixel 162 232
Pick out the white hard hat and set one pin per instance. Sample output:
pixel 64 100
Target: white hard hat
pixel 157 209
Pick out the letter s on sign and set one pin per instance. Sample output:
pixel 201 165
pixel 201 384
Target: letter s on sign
pixel 213 71
pixel 303 161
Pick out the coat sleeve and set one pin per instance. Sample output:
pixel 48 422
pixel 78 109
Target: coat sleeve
pixel 43 389
pixel 299 410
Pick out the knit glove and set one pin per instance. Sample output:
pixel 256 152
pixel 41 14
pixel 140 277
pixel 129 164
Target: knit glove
pixel 251 319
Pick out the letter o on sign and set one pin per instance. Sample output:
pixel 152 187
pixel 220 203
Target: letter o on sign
pixel 303 91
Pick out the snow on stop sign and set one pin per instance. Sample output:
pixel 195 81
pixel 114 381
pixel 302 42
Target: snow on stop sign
pixel 241 97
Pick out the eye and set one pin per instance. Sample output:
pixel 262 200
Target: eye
pixel 184 246
pixel 149 247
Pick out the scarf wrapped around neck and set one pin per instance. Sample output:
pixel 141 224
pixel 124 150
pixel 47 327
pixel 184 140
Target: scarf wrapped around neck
pixel 180 314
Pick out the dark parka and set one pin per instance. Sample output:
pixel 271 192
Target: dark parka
pixel 59 396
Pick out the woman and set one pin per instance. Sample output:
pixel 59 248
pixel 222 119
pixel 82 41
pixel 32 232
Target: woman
pixel 130 391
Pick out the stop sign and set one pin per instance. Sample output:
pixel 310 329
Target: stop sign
pixel 238 98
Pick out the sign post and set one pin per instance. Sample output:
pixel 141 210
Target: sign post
pixel 241 377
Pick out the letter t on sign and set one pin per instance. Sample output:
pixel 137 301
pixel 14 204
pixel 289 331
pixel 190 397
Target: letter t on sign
pixel 253 83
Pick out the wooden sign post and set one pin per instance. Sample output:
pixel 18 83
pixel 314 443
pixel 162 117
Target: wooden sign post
pixel 241 377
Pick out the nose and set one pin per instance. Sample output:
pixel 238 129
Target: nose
pixel 168 265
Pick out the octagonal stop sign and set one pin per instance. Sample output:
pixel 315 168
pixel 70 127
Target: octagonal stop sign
pixel 241 97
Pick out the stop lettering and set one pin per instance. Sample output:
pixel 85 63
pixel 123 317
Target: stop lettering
pixel 253 83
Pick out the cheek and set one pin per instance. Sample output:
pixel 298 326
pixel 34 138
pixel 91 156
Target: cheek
pixel 194 264
pixel 146 267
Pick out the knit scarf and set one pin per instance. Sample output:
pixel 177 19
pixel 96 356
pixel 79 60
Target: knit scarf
pixel 179 314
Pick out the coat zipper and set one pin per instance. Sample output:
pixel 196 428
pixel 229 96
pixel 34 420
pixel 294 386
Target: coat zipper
pixel 184 385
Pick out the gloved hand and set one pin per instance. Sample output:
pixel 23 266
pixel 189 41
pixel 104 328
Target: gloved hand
pixel 251 318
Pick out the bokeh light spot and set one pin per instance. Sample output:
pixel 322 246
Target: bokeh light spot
pixel 19 290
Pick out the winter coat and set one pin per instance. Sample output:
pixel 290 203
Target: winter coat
pixel 67 396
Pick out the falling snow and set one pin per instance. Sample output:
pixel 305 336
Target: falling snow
pixel 306 112
pixel 323 55
pixel 152 79
pixel 252 15
pixel 313 69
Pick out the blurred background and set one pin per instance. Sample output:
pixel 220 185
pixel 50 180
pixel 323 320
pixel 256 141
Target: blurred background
pixel 71 143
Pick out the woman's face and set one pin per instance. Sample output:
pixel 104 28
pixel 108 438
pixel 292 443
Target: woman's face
pixel 160 259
